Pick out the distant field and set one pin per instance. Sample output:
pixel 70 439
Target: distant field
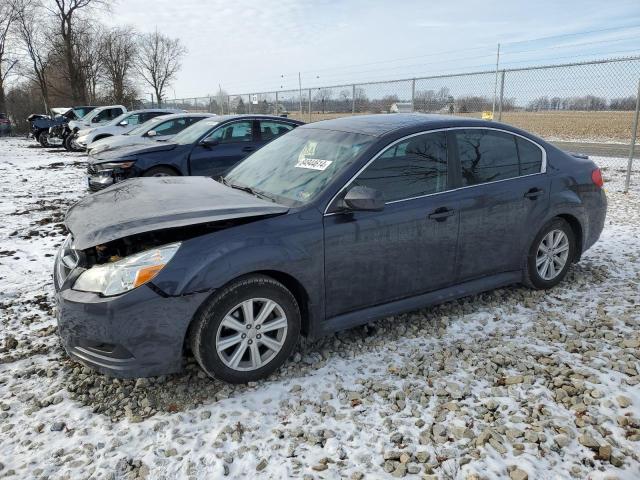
pixel 604 126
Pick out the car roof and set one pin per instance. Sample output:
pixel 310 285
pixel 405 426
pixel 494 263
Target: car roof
pixel 171 116
pixel 170 110
pixel 381 124
pixel 224 118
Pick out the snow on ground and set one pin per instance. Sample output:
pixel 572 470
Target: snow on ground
pixel 509 383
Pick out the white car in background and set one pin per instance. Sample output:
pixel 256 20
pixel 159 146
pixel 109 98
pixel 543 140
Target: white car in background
pixel 157 129
pixel 96 117
pixel 119 125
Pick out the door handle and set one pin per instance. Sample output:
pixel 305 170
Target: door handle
pixel 534 193
pixel 248 149
pixel 441 214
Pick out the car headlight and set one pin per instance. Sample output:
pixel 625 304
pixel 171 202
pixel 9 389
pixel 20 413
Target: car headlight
pixel 120 165
pixel 123 275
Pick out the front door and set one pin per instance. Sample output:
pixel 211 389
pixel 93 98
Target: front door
pixel 504 196
pixel 404 250
pixel 234 142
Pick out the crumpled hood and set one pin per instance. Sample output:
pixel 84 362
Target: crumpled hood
pixel 118 141
pixel 142 205
pixel 130 151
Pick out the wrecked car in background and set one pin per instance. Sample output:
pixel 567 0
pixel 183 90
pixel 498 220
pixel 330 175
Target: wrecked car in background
pixel 47 129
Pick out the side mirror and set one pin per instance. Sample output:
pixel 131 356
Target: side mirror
pixel 209 142
pixel 95 120
pixel 124 123
pixel 364 199
pixel 152 133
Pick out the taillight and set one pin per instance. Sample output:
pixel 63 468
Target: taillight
pixel 596 178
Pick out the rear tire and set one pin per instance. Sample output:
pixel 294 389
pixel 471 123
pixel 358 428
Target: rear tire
pixel 233 340
pixel 550 255
pixel 160 172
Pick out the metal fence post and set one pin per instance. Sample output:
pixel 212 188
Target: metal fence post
pixel 228 103
pixel 634 135
pixel 413 94
pixel 277 103
pixel 501 96
pixel 309 105
pixel 353 99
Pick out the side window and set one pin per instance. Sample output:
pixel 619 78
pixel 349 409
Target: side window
pixel 486 156
pixel 170 127
pixel 411 168
pixel 113 113
pixel 102 117
pixel 530 157
pixel 270 129
pixel 233 133
pixel 135 119
pixel 149 115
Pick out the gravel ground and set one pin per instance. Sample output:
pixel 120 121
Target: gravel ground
pixel 508 384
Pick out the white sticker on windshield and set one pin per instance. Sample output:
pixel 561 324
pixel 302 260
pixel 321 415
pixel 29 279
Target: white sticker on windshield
pixel 313 163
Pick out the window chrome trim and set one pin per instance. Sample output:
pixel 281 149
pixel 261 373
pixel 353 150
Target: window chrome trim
pixel 543 167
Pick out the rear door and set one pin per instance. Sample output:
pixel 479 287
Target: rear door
pixel 504 195
pixel 235 141
pixel 406 249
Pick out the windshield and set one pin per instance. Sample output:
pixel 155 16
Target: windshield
pixel 194 132
pixel 82 111
pixel 296 167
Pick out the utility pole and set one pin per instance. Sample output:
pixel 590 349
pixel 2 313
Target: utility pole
pixel 220 98
pixel 300 91
pixel 495 85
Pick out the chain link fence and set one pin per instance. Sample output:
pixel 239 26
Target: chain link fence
pixel 586 107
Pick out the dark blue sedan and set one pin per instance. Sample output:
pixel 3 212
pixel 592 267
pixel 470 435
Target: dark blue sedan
pixel 333 225
pixel 209 148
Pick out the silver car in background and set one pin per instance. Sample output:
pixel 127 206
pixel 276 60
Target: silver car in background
pixel 160 128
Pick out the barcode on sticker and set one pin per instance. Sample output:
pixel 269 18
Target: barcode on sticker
pixel 313 163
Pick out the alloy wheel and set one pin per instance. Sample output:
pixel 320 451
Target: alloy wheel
pixel 251 334
pixel 552 255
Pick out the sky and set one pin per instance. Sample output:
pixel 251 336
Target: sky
pixel 254 46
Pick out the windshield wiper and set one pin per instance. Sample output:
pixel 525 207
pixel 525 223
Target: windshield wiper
pixel 245 188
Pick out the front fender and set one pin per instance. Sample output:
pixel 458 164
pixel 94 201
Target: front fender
pixel 291 244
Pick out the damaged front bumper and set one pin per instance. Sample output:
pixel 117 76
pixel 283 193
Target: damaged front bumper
pixel 139 333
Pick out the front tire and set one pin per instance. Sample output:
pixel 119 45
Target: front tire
pixel 70 144
pixel 43 138
pixel 160 172
pixel 550 255
pixel 247 331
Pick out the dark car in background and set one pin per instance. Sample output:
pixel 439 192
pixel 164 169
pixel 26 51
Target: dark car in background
pixel 333 225
pixel 210 148
pixel 5 124
pixel 47 129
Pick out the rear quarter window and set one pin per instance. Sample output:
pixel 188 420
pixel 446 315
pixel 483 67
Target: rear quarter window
pixel 530 157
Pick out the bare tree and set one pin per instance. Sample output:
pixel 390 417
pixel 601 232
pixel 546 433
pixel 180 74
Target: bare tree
pixel 8 14
pixel 159 60
pixel 37 45
pixel 118 53
pixel 88 53
pixel 66 13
